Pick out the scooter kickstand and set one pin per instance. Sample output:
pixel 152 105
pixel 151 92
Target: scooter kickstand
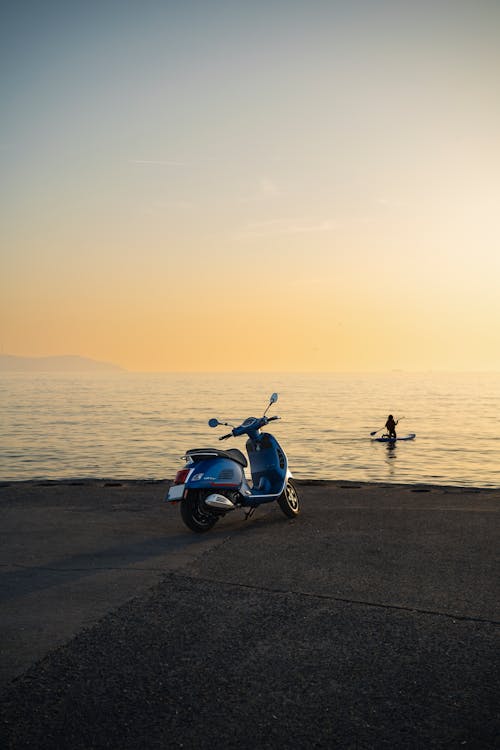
pixel 249 513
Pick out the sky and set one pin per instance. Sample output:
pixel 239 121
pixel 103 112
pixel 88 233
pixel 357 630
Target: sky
pixel 282 185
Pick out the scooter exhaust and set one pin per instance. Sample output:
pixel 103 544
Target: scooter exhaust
pixel 221 502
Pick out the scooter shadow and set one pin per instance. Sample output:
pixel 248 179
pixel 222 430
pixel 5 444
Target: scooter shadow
pixel 269 514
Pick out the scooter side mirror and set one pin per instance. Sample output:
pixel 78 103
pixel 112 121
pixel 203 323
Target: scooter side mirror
pixel 213 422
pixel 272 400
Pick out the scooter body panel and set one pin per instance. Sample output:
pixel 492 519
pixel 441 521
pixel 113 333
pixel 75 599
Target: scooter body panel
pixel 215 472
pixel 269 467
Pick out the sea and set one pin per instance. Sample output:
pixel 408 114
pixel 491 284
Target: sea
pixel 125 425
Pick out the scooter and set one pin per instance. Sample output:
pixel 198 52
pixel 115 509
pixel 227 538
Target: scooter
pixel 213 481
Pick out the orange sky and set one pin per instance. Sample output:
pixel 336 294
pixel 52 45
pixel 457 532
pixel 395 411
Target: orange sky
pixel 300 186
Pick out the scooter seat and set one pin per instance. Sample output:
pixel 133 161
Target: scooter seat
pixel 233 454
pixel 238 456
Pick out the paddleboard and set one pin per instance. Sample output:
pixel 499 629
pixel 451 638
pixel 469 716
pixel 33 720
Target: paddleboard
pixel 387 439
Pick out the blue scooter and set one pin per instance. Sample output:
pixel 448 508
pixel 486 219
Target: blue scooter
pixel 213 481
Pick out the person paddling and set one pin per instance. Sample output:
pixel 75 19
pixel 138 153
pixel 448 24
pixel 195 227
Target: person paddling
pixel 390 426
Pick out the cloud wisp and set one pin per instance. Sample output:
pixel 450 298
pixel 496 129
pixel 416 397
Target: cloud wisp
pixel 276 227
pixel 159 162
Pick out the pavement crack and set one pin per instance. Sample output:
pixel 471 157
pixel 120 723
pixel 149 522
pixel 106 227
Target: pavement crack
pixel 92 569
pixel 344 600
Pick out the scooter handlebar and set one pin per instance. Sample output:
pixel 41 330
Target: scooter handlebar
pixel 250 426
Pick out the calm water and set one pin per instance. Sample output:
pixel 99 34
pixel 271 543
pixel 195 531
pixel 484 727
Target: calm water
pixel 138 425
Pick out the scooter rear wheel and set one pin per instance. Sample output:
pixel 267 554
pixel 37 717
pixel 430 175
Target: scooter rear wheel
pixel 194 512
pixel 289 500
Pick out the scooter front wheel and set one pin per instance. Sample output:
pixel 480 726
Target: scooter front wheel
pixel 195 513
pixel 289 500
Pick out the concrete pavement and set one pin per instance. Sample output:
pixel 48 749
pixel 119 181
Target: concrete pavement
pixel 369 621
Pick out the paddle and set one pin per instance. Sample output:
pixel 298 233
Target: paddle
pixel 382 428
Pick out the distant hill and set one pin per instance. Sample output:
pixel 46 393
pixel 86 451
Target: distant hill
pixel 67 363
